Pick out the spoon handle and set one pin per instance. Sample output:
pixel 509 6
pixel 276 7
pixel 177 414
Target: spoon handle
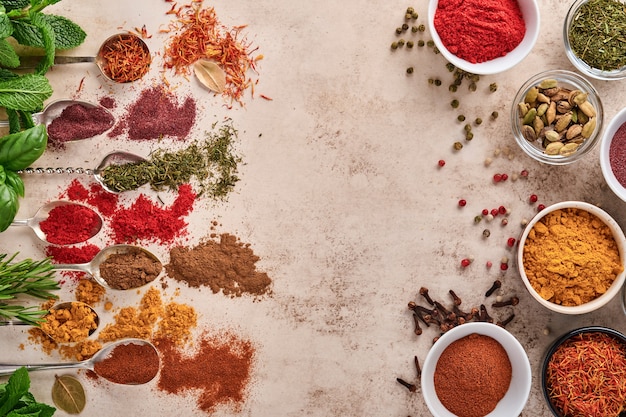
pixel 68 170
pixel 29 62
pixel 8 369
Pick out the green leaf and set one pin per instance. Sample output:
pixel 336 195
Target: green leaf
pixel 67 34
pixel 8 56
pixel 14 181
pixel 9 205
pixel 14 4
pixel 27 34
pixel 17 386
pixel 6 74
pixel 33 410
pixel 6 28
pixel 27 92
pixel 39 20
pixel 68 394
pixel 19 150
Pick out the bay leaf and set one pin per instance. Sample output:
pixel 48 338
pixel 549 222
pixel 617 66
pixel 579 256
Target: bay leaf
pixel 210 74
pixel 68 394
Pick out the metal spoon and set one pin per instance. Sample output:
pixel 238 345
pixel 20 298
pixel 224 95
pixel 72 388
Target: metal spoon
pixel 54 109
pixel 29 62
pixel 93 268
pixel 113 158
pixel 61 306
pixel 42 215
pixel 89 364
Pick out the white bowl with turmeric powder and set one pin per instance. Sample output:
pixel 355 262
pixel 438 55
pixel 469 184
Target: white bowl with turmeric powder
pixel 571 257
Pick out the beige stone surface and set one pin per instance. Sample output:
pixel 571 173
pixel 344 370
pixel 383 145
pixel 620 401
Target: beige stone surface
pixel 342 199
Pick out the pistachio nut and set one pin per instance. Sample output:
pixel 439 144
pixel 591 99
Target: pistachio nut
pixel 530 116
pixel 572 96
pixel 541 110
pixel 563 106
pixel 568 149
pixel 551 91
pixel 553 148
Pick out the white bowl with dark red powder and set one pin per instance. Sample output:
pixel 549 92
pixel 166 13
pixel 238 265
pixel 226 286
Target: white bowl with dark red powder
pixel 613 154
pixel 476 369
pixel 484 36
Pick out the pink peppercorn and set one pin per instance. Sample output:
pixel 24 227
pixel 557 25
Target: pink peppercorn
pixel 497 177
pixel 485 212
pixel 533 198
pixel 494 212
pixel 441 162
pixel 510 242
pixel 489 264
pixel 504 266
pixel 502 210
pixel 504 177
pixel 462 203
pixel 465 262
pixel 524 173
pixel 540 207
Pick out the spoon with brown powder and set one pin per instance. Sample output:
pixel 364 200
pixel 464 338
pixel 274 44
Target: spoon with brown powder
pixel 126 361
pixel 120 267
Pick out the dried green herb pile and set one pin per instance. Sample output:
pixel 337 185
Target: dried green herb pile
pixel 211 162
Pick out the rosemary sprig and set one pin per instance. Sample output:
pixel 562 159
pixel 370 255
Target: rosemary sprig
pixel 27 277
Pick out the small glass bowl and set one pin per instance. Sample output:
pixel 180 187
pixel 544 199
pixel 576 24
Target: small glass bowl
pixel 581 65
pixel 556 344
pixel 567 79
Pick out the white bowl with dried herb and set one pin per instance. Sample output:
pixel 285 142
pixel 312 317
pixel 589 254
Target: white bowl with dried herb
pixel 557 117
pixel 594 34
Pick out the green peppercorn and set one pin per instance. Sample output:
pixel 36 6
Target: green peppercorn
pixel 486 233
pixel 450 67
pixel 494 115
pixel 409 44
pixel 431 81
pixel 430 43
pixel 468 127
pixel 414 29
pixel 422 28
pixel 398 31
pixel 458 146
pixel 458 81
pixel 473 77
pixel 401 42
pixel 420 43
pixel 394 45
pixel 405 27
pixel 437 82
pixel 454 103
pixel 469 136
pixel 409 70
pixel 478 219
pixel 410 10
pixel 472 86
pixel 493 87
pixel 452 88
pixel 414 15
pixel 408 16
pixel 478 121
pixel 460 118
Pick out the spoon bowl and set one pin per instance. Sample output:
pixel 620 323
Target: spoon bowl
pixel 91 364
pixel 95 267
pixel 44 213
pixel 114 158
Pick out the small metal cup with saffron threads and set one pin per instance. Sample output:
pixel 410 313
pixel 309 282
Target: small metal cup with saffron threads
pixel 124 58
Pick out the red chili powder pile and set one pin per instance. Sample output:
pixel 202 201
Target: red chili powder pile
pixel 70 224
pixel 72 255
pixel 220 369
pixel 479 30
pixel 157 114
pixel 106 203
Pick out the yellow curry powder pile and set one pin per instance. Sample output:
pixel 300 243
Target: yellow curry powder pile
pixel 571 257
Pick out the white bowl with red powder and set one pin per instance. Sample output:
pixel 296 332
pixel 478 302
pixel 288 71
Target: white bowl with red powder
pixel 613 154
pixel 475 37
pixel 473 335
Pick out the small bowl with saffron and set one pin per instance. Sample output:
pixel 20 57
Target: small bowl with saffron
pixel 478 368
pixel 556 117
pixel 589 363
pixel 571 257
pixel 465 35
pixel 592 37
pixel 613 154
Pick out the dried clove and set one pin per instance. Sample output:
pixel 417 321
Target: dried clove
pixel 484 315
pixel 513 301
pixel 457 300
pixel 419 312
pixel 416 319
pixel 445 312
pixel 418 369
pixel 496 284
pixel 506 321
pixel 408 385
pixel 424 293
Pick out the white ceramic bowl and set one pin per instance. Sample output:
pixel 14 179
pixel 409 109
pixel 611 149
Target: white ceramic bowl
pixel 529 9
pixel 618 235
pixel 605 148
pixel 515 398
pixel 581 65
pixel 570 80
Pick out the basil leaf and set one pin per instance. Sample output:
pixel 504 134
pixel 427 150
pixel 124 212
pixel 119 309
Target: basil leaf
pixel 8 56
pixel 67 34
pixel 19 150
pixel 9 205
pixel 19 382
pixel 14 181
pixel 27 92
pixel 14 4
pixel 39 20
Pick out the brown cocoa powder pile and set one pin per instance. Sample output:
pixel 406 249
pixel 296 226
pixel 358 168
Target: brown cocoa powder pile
pixel 227 265
pixel 129 270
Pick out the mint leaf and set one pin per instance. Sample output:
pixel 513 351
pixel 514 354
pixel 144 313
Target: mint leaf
pixel 6 74
pixel 8 56
pixel 67 34
pixel 33 410
pixel 27 34
pixel 17 386
pixel 39 20
pixel 14 4
pixel 6 28
pixel 27 92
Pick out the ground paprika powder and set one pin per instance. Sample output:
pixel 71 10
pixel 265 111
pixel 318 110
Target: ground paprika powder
pixel 479 30
pixel 69 224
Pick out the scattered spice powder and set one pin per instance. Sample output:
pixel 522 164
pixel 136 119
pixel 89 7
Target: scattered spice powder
pixel 106 203
pixel 200 35
pixel 155 115
pixel 89 292
pixel 70 223
pixel 129 363
pixel 220 369
pixel 78 122
pixel 131 269
pixel 227 266
pixel 479 30
pixel 72 255
pixel 472 375
pixel 586 376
